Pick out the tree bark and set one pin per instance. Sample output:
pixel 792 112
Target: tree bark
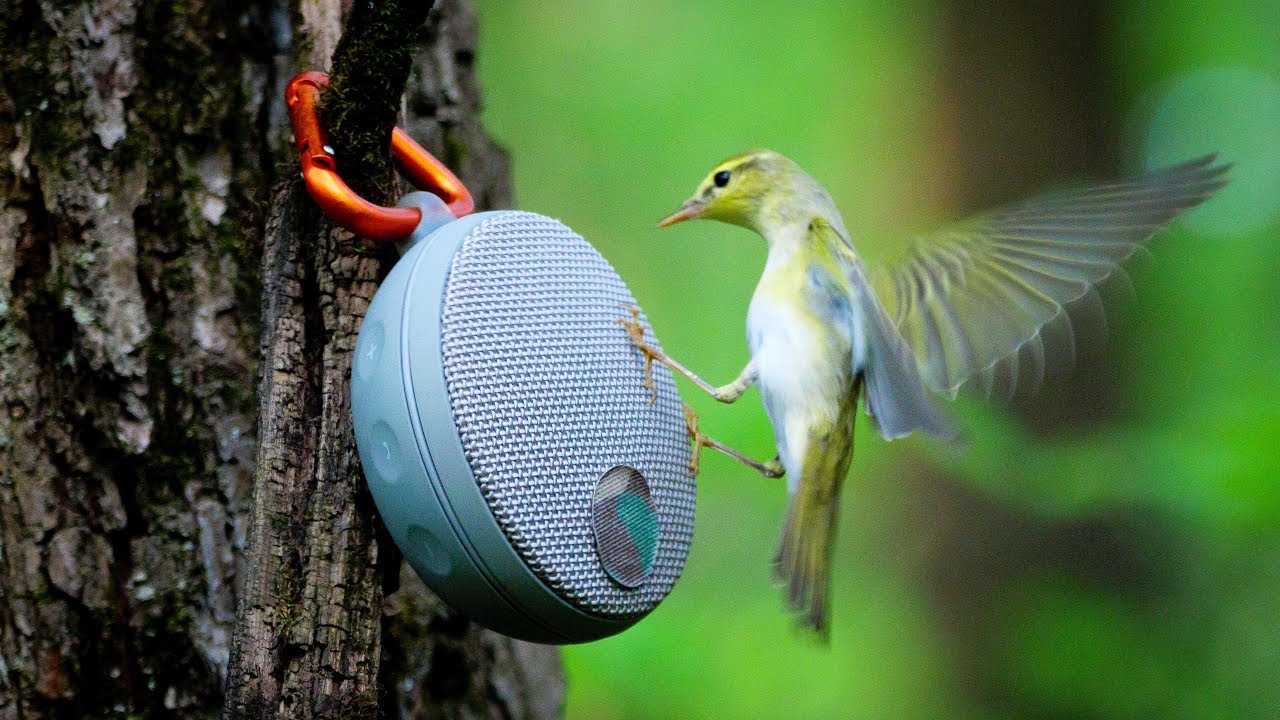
pixel 153 500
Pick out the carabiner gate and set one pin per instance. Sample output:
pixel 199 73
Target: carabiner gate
pixel 336 198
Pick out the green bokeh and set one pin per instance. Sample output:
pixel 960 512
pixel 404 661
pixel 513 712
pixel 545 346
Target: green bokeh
pixel 614 111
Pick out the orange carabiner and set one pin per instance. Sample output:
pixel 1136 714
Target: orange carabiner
pixel 336 198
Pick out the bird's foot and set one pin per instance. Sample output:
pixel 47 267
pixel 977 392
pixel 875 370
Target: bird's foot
pixel 636 332
pixel 771 469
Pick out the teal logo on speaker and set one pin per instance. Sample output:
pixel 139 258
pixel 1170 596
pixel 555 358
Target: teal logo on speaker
pixel 625 524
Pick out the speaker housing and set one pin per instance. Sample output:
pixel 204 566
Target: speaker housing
pixel 514 454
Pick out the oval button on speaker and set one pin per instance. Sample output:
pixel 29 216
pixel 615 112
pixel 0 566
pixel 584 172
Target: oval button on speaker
pixel 428 551
pixel 369 348
pixel 386 452
pixel 625 524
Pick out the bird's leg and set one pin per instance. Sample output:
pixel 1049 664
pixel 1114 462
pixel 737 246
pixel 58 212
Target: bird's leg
pixel 771 469
pixel 725 393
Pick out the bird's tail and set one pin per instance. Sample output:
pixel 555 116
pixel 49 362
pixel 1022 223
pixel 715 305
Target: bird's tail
pixel 803 561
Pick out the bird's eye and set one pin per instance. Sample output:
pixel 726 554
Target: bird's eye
pixel 721 179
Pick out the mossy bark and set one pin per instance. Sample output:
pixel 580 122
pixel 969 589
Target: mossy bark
pixel 140 141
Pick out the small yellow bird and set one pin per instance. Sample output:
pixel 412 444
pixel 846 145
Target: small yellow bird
pixel 965 305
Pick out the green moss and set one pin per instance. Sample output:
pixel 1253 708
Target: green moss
pixel 371 65
pixel 455 148
pixel 81 314
pixel 8 338
pixel 176 619
pixel 240 237
pixel 32 53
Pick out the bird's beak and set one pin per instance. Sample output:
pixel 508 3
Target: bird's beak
pixel 688 211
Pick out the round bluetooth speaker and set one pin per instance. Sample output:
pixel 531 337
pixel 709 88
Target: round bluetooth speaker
pixel 514 453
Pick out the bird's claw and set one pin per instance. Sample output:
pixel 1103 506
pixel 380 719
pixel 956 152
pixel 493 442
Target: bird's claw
pixel 636 332
pixel 691 422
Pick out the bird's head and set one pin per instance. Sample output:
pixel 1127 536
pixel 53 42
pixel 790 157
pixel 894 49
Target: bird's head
pixel 745 190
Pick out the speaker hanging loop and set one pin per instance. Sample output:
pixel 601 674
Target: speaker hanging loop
pixel 336 198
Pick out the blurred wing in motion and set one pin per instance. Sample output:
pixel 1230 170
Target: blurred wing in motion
pixel 896 394
pixel 976 294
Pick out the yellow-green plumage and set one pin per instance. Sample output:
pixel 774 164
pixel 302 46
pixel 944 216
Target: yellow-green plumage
pixel 809 389
pixel 808 533
pixel 968 300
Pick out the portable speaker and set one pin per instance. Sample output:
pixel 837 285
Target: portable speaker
pixel 506 434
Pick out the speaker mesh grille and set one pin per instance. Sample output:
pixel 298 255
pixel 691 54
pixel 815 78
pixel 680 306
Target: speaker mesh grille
pixel 532 347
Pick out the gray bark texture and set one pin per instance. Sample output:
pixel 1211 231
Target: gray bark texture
pixel 184 529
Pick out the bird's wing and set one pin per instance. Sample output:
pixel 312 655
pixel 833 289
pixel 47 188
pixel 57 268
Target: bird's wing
pixel 976 294
pixel 896 397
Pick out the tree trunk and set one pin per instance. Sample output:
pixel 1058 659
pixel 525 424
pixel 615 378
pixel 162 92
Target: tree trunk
pixel 154 500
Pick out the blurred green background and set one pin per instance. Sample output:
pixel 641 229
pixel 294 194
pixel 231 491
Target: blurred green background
pixel 1108 547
